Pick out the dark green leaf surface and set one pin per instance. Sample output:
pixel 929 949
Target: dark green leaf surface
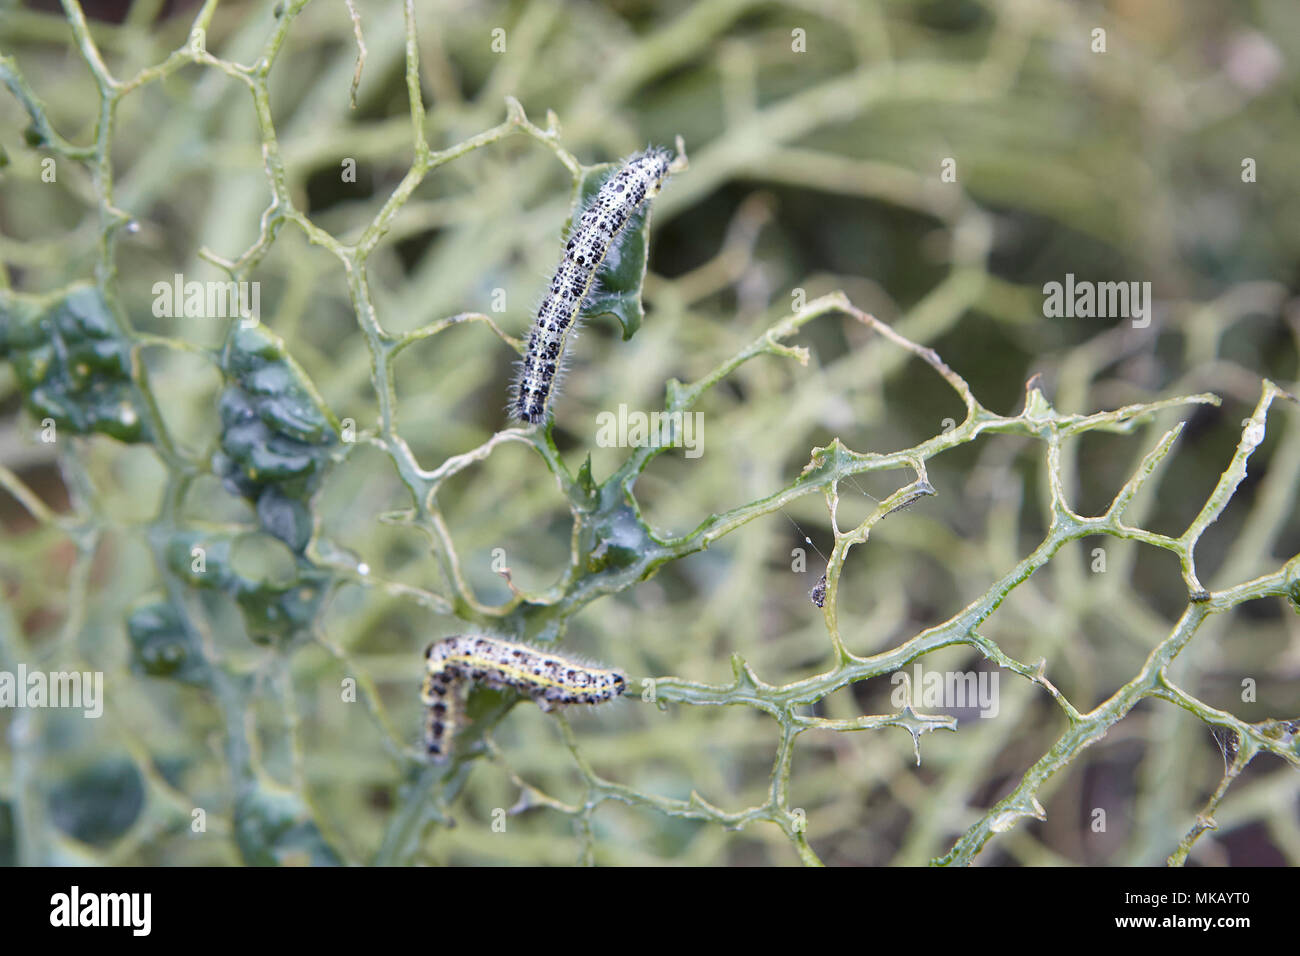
pixel 616 290
pixel 73 363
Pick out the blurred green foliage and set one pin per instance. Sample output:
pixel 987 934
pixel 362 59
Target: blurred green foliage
pixel 277 690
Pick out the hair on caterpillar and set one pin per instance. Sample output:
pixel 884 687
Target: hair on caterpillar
pixel 561 362
pixel 594 231
pixel 562 365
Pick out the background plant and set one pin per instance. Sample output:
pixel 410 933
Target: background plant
pixel 801 271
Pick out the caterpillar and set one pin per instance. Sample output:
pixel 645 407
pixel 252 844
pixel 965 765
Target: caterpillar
pixel 818 593
pixel 619 199
pixel 551 680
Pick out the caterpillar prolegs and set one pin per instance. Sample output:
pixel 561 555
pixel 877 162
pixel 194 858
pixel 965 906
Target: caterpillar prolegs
pixel 551 680
pixel 619 199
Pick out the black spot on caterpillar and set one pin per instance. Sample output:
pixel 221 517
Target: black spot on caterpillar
pixel 552 680
pixel 619 199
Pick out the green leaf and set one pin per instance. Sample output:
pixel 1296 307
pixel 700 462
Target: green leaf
pixel 585 481
pixel 273 611
pixel 617 288
pixel 162 645
pixel 72 360
pixel 276 434
pixel 622 541
pixel 99 803
pixel 273 827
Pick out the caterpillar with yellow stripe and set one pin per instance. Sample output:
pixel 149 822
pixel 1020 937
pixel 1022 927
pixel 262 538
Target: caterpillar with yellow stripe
pixel 551 680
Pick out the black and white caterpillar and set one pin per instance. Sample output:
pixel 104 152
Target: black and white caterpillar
pixel 550 679
pixel 620 198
